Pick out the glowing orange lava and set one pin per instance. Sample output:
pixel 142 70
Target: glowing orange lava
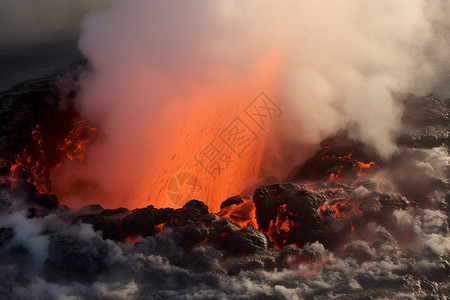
pixel 207 145
pixel 160 227
pixel 365 169
pixel 32 163
pixel 341 208
pixel 242 214
pixel 279 227
pixel 77 141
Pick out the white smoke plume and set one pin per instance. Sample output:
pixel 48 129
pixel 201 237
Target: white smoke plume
pixel 329 65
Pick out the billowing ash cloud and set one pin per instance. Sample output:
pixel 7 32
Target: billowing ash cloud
pixel 160 68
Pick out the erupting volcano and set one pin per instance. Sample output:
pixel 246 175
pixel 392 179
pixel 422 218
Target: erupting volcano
pixel 225 150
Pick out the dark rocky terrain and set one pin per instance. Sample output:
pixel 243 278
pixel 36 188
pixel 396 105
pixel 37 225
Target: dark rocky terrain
pixel 345 224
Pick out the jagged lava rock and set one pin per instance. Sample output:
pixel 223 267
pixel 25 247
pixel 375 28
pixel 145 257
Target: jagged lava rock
pixel 301 210
pixel 247 240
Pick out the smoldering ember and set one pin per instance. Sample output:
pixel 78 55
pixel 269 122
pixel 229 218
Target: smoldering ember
pixel 212 158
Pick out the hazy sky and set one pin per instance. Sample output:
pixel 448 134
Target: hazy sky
pixel 39 37
pixel 29 21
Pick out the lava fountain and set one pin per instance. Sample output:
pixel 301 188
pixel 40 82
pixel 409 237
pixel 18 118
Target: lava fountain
pixel 206 145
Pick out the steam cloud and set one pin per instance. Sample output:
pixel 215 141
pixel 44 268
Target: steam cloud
pixel 332 66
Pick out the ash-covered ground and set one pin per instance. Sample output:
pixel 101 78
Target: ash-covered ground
pixel 346 224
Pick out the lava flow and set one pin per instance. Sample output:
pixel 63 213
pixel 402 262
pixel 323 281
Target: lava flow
pixel 30 164
pixel 207 145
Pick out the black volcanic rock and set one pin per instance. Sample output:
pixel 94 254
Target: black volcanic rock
pixel 37 102
pixel 193 212
pixel 230 201
pixel 225 226
pixel 5 167
pixel 192 233
pixel 268 198
pixel 35 118
pixel 117 212
pixel 338 156
pixel 23 189
pixel 291 256
pixel 247 240
pixel 199 206
pixel 27 191
pixel 110 227
pixel 71 258
pixel 301 211
pixel 392 201
pixel 425 137
pixel 220 229
pixel 91 209
pixel 234 265
pixel 426 121
pixel 378 207
pixel 49 201
pixel 143 221
pixel 360 250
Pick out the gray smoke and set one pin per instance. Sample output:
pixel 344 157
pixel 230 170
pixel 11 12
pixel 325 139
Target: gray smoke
pixel 405 255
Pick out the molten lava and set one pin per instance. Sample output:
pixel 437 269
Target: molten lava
pixel 341 207
pixel 78 139
pixel 279 227
pixel 207 144
pixel 29 165
pixel 345 160
pixel 242 214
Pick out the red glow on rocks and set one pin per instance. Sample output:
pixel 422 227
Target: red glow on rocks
pixel 131 240
pixel 160 227
pixel 29 165
pixel 279 227
pixel 242 214
pixel 78 139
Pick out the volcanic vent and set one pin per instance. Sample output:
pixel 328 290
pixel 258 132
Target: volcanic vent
pixel 345 223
